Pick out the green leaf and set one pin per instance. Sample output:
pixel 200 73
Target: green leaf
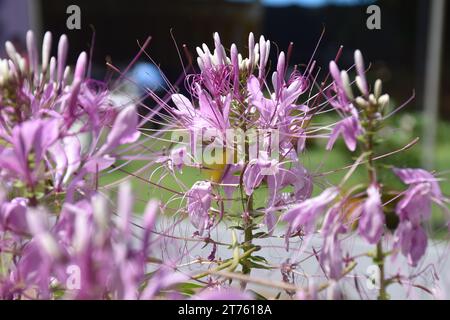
pixel 189 288
pixel 260 235
pixel 255 265
pixel 258 259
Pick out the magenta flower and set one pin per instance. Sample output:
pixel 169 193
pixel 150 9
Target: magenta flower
pixel 276 110
pixel 30 140
pixel 88 238
pixel 13 216
pixel 340 96
pixel 412 241
pixel 414 209
pixel 415 205
pixel 331 258
pixel 124 130
pixel 305 214
pixel 371 222
pixel 350 129
pixel 256 171
pixel 198 205
pixel 212 113
pixel 297 177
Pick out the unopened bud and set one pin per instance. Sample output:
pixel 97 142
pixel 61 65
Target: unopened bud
pixel 362 103
pixel 372 99
pixel 80 67
pixel 360 70
pixel 10 50
pixel 46 47
pixel 52 68
pixel 383 101
pixel 378 88
pixel 63 47
pixel 346 84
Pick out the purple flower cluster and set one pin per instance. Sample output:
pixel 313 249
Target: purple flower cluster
pixel 61 237
pixel 230 93
pixel 51 218
pixel 52 128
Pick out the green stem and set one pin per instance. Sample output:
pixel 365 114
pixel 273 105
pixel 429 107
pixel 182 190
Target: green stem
pixel 382 293
pixel 224 265
pixel 248 238
pixel 248 223
pixel 379 256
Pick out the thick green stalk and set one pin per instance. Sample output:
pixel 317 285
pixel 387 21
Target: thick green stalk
pixel 247 225
pixel 248 238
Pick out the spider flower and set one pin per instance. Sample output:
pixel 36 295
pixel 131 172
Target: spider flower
pixel 88 253
pixel 228 94
pixel 331 257
pixel 52 128
pixel 199 203
pixel 341 99
pixel 371 222
pixel 414 209
pixel 304 215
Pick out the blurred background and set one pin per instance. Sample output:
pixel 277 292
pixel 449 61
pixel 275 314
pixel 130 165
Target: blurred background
pixel 409 53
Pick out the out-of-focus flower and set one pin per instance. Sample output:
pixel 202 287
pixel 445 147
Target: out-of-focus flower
pixel 199 204
pixel 331 257
pixel 30 141
pixel 304 214
pixel 371 222
pixel 349 128
pixel 414 209
pixel 51 133
pixel 225 294
pixel 87 237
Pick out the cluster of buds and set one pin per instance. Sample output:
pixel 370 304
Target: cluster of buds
pixel 60 238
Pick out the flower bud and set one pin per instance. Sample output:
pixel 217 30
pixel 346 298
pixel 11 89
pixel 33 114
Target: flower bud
pixel 362 103
pixel 32 51
pixel 251 48
pixel 378 88
pixel 80 68
pixel 346 84
pixel 52 68
pixel 65 76
pixel 10 50
pixel 383 101
pixel 360 70
pixel 63 47
pixel 372 99
pixel 46 47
